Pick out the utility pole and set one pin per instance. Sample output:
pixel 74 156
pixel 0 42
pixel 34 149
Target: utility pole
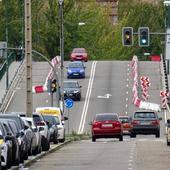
pixel 61 4
pixel 28 56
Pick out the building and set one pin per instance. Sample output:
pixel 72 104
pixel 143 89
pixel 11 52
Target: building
pixel 114 10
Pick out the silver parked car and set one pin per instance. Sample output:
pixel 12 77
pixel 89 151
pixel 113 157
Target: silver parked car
pixel 36 136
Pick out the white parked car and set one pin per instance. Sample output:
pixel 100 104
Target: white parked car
pixel 57 113
pixel 43 129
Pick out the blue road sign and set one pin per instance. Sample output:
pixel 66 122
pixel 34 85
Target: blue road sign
pixel 68 103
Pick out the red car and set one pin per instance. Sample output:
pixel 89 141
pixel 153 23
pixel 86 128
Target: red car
pixel 126 122
pixel 79 54
pixel 106 125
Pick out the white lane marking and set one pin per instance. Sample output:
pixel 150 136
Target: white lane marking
pixel 126 99
pixel 130 168
pixel 106 96
pixel 127 79
pixel 87 99
pixel 127 92
pixel 166 130
pixel 9 101
pixel 127 85
pixel 126 105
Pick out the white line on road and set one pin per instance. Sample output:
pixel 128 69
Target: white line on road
pixel 87 99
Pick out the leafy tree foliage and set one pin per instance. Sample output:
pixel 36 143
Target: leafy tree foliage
pixel 98 35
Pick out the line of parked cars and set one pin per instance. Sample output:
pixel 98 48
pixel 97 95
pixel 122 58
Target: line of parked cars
pixel 110 125
pixel 22 136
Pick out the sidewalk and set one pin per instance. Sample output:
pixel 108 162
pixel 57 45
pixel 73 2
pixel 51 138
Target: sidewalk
pixel 12 72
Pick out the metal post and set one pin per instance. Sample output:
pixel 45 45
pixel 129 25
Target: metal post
pixel 51 99
pixel 28 56
pixel 61 47
pixel 68 121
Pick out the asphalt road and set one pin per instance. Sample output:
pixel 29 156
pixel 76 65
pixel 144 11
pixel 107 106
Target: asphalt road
pixel 106 88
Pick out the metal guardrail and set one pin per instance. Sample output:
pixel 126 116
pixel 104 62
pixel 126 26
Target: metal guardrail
pixel 3 68
pixel 18 75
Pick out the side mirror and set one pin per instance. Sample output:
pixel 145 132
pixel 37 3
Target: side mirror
pixel 160 118
pixel 168 121
pixel 90 123
pixel 65 118
pixel 35 130
pixel 26 127
pixel 80 86
pixel 41 129
pixel 22 133
pixel 8 137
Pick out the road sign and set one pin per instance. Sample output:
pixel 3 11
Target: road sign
pixel 68 103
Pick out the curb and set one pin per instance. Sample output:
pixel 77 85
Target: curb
pixel 34 159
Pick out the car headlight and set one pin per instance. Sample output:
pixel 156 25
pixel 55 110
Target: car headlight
pixel 69 71
pixel 76 91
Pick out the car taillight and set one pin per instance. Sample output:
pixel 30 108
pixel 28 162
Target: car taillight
pixel 135 122
pixel 118 124
pixel 41 123
pixel 155 122
pixel 96 124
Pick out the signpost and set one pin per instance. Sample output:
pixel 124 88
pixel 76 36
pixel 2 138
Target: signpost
pixel 69 104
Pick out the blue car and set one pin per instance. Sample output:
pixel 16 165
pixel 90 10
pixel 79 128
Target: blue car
pixel 76 69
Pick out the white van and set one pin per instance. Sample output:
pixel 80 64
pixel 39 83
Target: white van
pixel 55 111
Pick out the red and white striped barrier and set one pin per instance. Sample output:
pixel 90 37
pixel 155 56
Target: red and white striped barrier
pixel 145 85
pixel 39 89
pixel 164 100
pixel 43 88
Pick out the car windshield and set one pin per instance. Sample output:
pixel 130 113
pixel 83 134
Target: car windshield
pixel 50 119
pixel 75 65
pixel 124 119
pixel 70 85
pixel 144 115
pixel 79 50
pixel 104 117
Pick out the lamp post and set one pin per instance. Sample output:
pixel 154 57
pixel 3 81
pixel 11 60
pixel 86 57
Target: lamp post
pixel 61 3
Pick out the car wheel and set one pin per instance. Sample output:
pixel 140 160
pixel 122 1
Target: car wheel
pixel 157 135
pixel 62 140
pixel 133 135
pixel 168 143
pixel 121 138
pixel 93 139
pixel 25 155
pixel 55 141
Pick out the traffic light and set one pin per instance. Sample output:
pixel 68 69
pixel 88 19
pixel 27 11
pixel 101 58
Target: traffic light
pixel 144 37
pixel 53 86
pixel 127 36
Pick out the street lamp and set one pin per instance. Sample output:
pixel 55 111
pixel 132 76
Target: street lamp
pixel 60 3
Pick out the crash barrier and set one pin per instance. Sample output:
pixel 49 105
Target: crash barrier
pixel 135 98
pixel 18 75
pixel 3 68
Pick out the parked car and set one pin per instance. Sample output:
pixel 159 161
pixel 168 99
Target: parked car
pixel 72 90
pixel 76 69
pixel 36 138
pixel 106 125
pixel 43 129
pixel 79 54
pixel 52 124
pixel 12 130
pixel 25 134
pixel 6 148
pixel 31 137
pixel 145 122
pixel 126 122
pixel 60 119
